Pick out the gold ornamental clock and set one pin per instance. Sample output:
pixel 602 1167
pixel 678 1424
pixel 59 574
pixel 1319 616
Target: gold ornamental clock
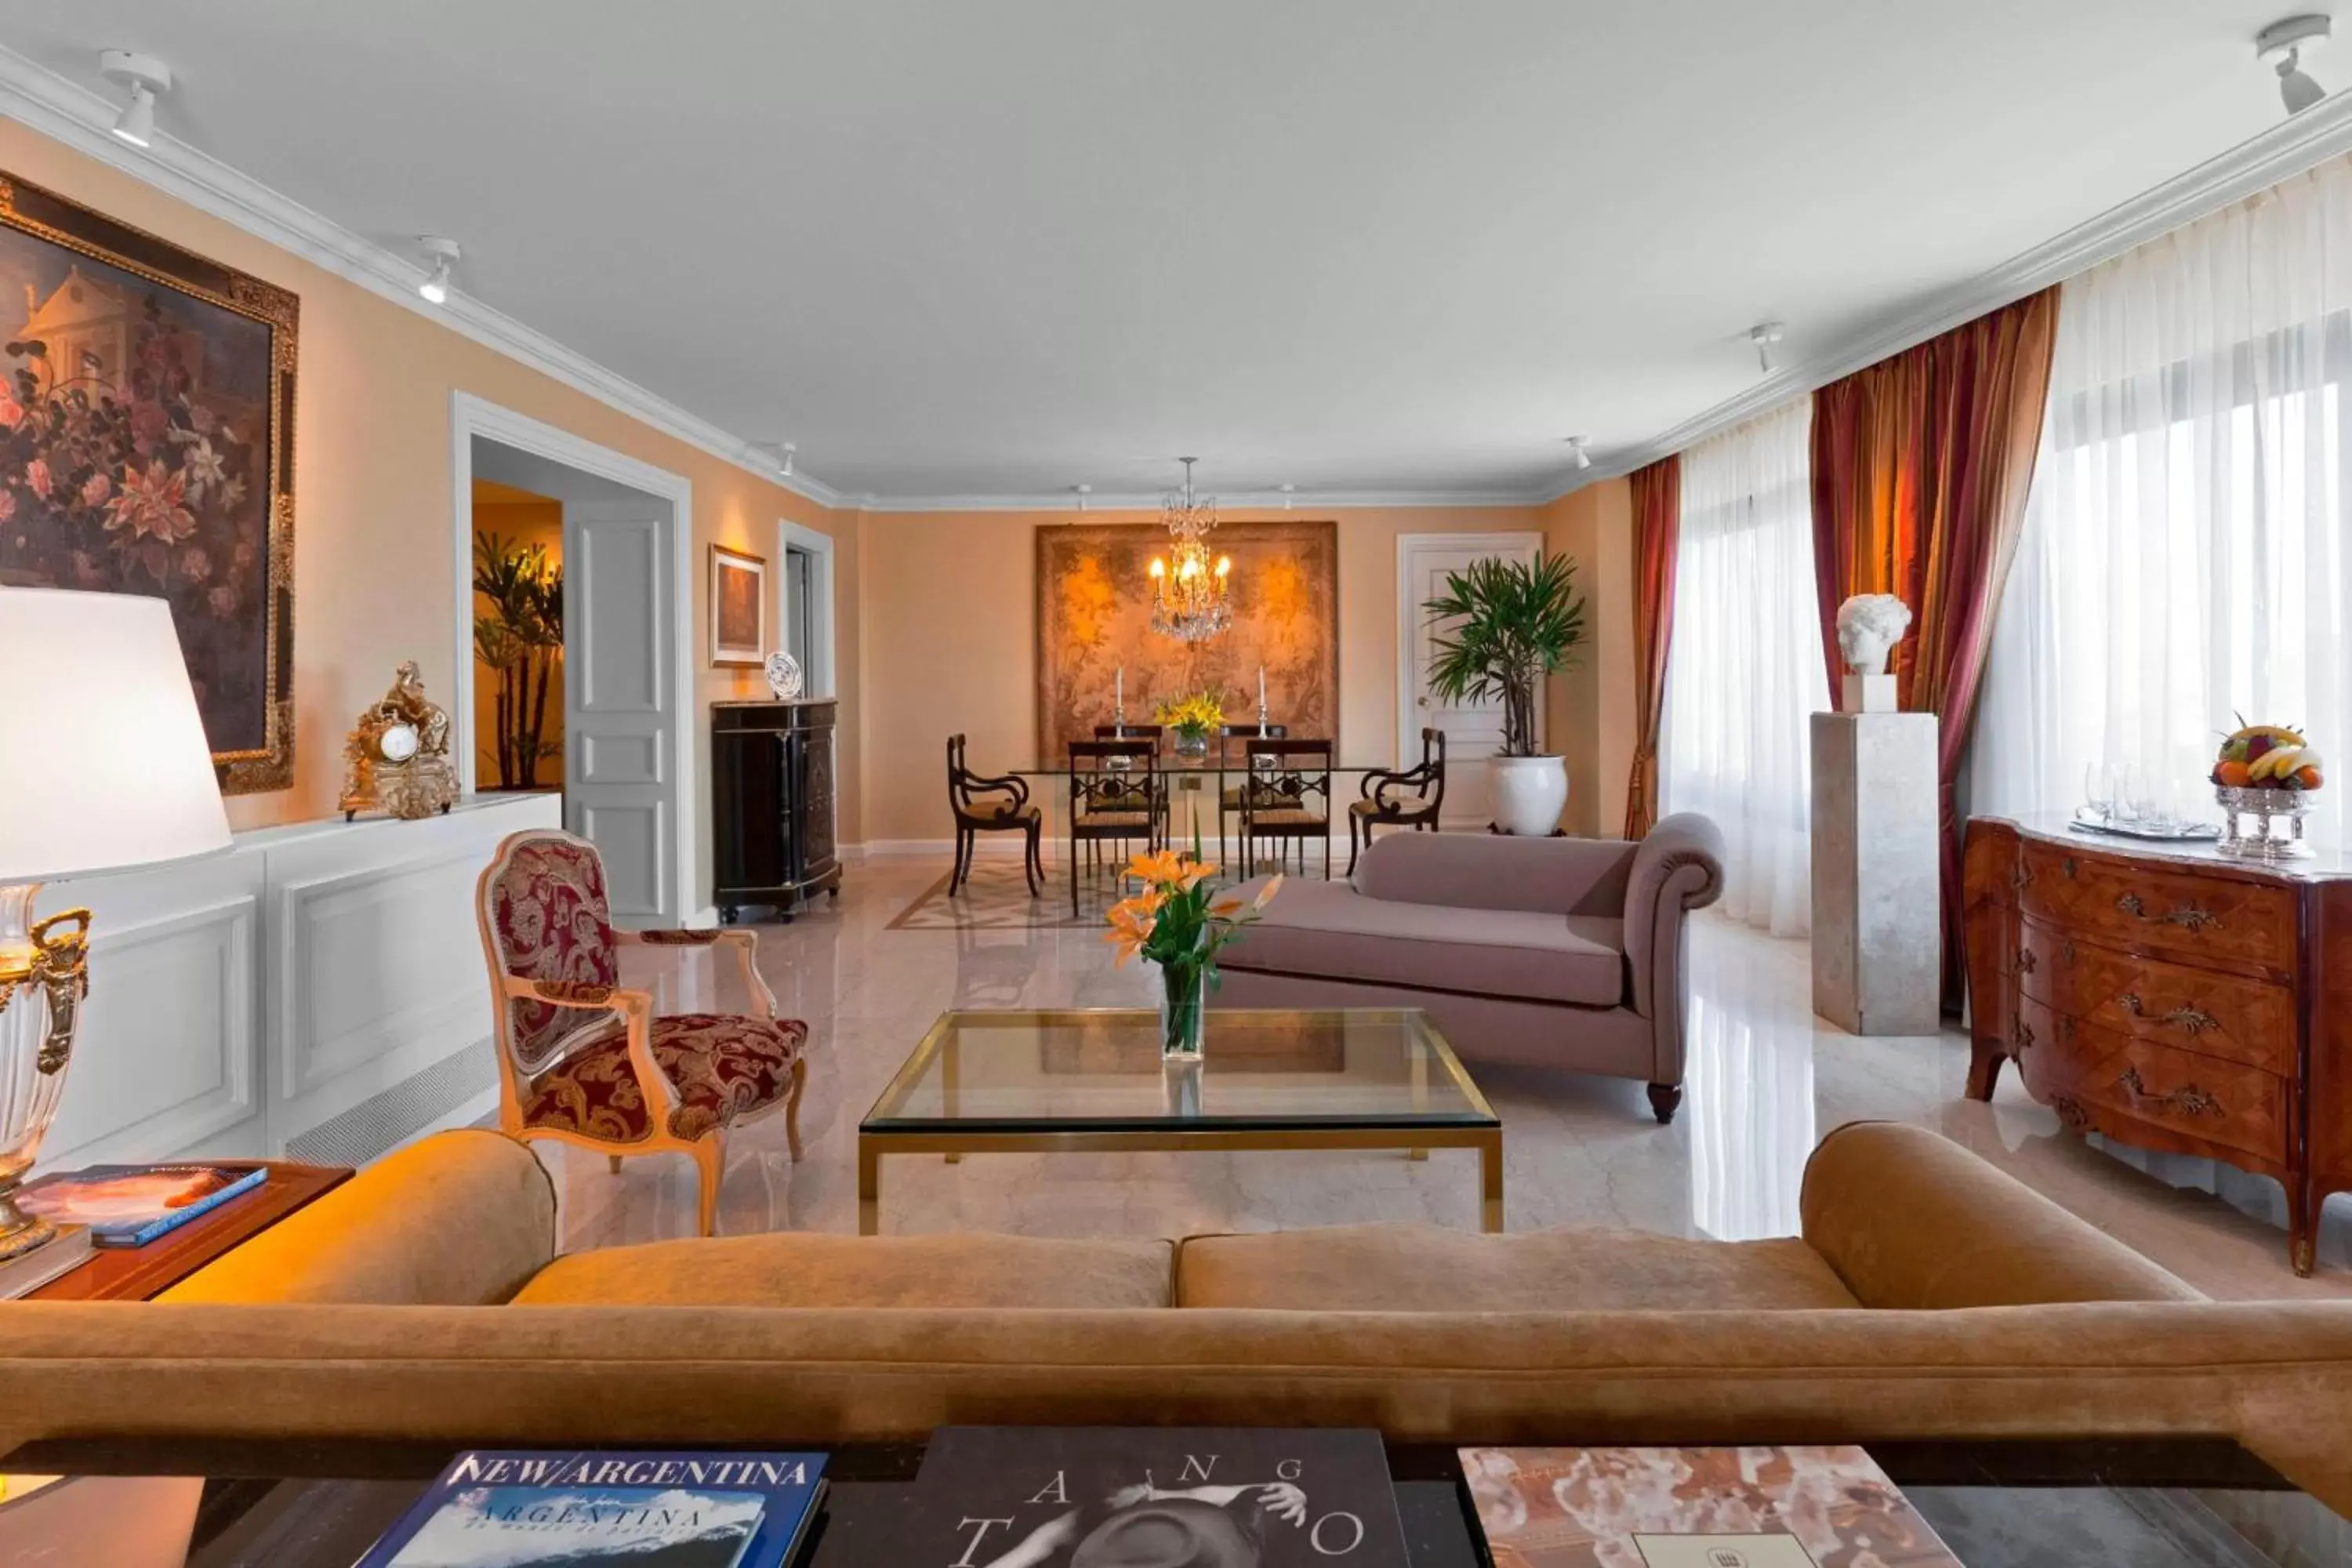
pixel 396 758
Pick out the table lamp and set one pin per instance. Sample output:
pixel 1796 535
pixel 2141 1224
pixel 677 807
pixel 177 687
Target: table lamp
pixel 103 767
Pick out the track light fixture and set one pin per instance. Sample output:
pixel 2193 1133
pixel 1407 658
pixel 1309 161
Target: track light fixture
pixel 1289 491
pixel 1577 453
pixel 445 254
pixel 1764 335
pixel 786 468
pixel 1084 491
pixel 2283 44
pixel 147 78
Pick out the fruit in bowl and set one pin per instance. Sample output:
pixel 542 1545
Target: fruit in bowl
pixel 2268 756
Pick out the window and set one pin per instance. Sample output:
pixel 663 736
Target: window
pixel 2184 557
pixel 1745 670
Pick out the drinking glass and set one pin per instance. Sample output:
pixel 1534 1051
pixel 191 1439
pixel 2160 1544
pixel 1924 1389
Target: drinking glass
pixel 2099 790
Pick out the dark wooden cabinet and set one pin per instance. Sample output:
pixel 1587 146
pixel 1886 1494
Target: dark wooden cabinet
pixel 2170 998
pixel 772 791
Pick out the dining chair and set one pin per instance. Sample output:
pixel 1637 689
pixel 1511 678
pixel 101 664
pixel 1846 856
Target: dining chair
pixel 1116 794
pixel 1287 798
pixel 1407 797
pixel 990 805
pixel 1230 758
pixel 584 1059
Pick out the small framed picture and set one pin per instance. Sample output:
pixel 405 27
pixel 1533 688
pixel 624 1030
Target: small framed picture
pixel 739 607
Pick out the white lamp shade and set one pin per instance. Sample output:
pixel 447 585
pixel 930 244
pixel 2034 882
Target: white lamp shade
pixel 103 761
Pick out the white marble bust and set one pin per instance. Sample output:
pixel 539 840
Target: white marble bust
pixel 1868 628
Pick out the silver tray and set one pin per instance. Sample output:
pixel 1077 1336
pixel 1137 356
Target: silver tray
pixel 2175 833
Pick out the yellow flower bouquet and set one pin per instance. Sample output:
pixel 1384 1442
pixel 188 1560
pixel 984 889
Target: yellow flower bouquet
pixel 1194 718
pixel 1178 922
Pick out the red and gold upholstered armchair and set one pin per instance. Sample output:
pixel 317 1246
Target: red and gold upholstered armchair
pixel 587 1060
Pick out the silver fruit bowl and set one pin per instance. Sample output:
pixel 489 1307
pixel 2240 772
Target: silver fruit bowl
pixel 2262 823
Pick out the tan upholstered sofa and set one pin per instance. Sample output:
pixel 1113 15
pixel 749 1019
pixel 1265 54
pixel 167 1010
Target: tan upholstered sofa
pixel 1930 1296
pixel 1559 952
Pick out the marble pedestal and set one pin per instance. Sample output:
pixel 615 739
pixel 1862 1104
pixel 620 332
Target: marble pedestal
pixel 1876 953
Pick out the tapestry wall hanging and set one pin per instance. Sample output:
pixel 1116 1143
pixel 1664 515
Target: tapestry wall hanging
pixel 1094 619
pixel 147 447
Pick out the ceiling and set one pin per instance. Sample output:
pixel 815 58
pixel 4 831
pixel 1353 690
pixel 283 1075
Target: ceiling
pixel 968 251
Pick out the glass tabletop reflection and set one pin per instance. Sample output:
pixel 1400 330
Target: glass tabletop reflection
pixel 1100 1070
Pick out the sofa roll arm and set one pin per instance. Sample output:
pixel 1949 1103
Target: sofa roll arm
pixel 1678 867
pixel 1910 1220
pixel 460 1219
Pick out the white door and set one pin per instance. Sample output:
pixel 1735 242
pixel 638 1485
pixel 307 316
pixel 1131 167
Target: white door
pixel 620 702
pixel 1473 731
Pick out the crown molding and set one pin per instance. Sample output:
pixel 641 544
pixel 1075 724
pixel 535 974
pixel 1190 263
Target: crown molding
pixel 1253 502
pixel 2286 149
pixel 79 118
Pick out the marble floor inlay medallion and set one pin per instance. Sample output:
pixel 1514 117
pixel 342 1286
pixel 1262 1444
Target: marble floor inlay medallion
pixel 1766 1080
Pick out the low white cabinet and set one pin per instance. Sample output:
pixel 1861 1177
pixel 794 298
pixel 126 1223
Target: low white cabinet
pixel 317 989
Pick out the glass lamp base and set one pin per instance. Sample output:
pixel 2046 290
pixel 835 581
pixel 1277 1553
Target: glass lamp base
pixel 43 979
pixel 21 1233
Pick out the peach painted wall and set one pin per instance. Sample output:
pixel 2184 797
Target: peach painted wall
pixel 1592 705
pixel 950 642
pixel 372 530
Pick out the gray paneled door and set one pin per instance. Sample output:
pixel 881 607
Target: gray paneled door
pixel 620 700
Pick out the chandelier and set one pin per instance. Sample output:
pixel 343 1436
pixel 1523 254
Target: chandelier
pixel 1188 591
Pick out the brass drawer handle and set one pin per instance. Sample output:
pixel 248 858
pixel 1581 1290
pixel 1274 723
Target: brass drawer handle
pixel 2194 1020
pixel 2025 961
pixel 2187 916
pixel 2188 1099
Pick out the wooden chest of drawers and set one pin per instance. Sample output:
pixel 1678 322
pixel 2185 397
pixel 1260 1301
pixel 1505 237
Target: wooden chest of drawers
pixel 2169 999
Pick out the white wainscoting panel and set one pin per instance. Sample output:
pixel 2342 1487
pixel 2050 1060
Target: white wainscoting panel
pixel 240 1000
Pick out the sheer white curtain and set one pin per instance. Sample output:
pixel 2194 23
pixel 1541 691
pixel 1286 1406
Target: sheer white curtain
pixel 2184 558
pixel 1746 669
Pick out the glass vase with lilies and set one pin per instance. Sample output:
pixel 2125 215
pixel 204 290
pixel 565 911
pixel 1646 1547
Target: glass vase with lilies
pixel 1178 921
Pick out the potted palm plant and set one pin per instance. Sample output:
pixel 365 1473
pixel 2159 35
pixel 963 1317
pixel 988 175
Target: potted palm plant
pixel 1501 627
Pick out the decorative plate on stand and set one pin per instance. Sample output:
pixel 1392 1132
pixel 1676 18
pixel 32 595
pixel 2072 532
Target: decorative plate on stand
pixel 783 676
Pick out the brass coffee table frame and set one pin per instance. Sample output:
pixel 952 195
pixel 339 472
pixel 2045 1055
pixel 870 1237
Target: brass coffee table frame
pixel 1414 1138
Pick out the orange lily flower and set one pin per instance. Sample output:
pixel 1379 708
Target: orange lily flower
pixel 1161 866
pixel 1131 920
pixel 1266 894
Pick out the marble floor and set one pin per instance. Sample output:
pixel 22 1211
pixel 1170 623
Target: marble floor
pixel 1766 1080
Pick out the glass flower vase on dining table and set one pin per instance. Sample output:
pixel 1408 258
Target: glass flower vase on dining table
pixel 1178 922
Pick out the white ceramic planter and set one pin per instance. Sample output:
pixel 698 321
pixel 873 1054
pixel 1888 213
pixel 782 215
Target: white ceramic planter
pixel 1529 794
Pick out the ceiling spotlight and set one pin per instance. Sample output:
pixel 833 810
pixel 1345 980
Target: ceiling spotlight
pixel 1764 336
pixel 445 254
pixel 1576 450
pixel 786 468
pixel 146 77
pixel 1287 492
pixel 1084 491
pixel 2284 43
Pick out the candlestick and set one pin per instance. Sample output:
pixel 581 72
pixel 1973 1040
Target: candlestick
pixel 1261 700
pixel 1119 697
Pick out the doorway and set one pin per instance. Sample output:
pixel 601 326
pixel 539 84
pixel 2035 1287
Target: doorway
pixel 1473 731
pixel 603 711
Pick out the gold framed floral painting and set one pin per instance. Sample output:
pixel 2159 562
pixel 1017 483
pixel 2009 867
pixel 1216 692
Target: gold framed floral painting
pixel 147 447
pixel 739 608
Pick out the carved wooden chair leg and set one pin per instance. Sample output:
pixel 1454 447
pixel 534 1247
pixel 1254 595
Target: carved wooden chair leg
pixel 710 1164
pixel 1029 857
pixel 614 1161
pixel 792 1108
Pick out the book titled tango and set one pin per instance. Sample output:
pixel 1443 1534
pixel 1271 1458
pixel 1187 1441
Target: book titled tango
pixel 1081 1497
pixel 593 1509
pixel 1695 1508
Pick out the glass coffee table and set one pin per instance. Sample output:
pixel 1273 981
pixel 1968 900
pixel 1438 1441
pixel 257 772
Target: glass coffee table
pixel 1091 1080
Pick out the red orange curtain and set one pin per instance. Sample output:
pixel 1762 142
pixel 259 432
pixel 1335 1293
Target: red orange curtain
pixel 1920 469
pixel 1657 527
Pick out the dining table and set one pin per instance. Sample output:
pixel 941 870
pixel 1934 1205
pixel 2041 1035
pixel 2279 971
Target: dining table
pixel 1187 778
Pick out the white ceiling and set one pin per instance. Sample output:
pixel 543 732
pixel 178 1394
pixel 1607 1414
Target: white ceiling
pixel 954 249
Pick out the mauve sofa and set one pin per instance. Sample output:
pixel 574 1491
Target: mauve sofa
pixel 1557 952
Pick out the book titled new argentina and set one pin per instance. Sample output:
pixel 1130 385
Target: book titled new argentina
pixel 1081 1497
pixel 592 1508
